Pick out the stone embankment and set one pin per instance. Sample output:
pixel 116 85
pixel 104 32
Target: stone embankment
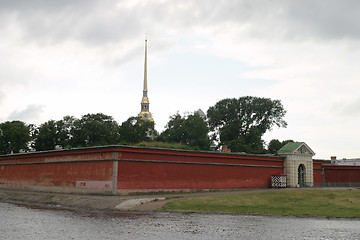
pixel 83 201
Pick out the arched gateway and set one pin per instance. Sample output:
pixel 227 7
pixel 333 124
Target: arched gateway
pixel 301 175
pixel 298 164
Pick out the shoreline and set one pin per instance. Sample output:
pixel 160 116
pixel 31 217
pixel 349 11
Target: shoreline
pixel 96 202
pixel 137 203
pixel 108 202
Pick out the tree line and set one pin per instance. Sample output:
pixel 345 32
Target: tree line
pixel 239 123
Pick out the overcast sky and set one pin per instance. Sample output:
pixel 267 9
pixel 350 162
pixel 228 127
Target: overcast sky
pixel 74 57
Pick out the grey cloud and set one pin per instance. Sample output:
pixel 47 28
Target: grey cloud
pixel 50 22
pixel 30 113
pixel 287 20
pixel 291 19
pixel 33 5
pixel 95 24
pixel 325 19
pixel 101 22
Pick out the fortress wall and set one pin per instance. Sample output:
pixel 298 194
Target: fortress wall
pixel 337 174
pixel 318 177
pixel 326 174
pixel 59 174
pixel 197 157
pixel 167 169
pixel 126 169
pixel 154 175
pixel 121 168
pixel 78 168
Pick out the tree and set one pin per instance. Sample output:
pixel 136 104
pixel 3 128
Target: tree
pixel 65 129
pixel 94 130
pixel 275 145
pixel 240 123
pixel 136 129
pixel 52 133
pixel 14 135
pixel 249 143
pixel 46 138
pixel 190 130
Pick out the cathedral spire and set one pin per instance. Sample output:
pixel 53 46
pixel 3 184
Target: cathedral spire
pixel 145 68
pixel 145 113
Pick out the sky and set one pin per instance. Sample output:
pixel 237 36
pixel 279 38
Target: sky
pixel 74 57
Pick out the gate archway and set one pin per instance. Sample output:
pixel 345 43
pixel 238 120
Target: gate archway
pixel 301 175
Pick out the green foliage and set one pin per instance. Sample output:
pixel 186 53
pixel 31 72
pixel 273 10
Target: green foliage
pixel 135 130
pixel 95 130
pixel 46 138
pixel 330 203
pixel 283 143
pixel 189 130
pixel 275 145
pixel 164 145
pixel 66 128
pixel 249 143
pixel 14 135
pixel 91 130
pixel 52 133
pixel 240 123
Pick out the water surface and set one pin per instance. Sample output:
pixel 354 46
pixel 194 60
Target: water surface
pixel 20 222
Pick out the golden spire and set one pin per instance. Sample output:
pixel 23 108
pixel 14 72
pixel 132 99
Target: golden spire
pixel 145 68
pixel 145 113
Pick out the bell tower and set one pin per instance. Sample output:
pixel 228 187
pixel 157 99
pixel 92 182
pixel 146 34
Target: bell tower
pixel 145 112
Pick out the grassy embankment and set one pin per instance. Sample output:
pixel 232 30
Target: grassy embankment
pixel 330 203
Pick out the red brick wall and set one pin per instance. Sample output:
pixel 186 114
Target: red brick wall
pixel 139 168
pixel 334 173
pixel 317 168
pixel 153 169
pixel 342 174
pixel 142 175
pixel 56 174
pixel 198 157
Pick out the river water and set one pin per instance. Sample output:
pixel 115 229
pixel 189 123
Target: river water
pixel 21 222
